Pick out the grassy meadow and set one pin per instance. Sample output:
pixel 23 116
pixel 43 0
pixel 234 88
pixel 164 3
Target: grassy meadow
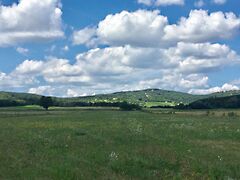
pixel 106 143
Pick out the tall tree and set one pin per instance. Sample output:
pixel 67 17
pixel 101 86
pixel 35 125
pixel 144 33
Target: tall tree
pixel 46 102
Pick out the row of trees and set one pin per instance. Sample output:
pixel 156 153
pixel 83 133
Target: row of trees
pixel 47 102
pixel 10 103
pixel 213 103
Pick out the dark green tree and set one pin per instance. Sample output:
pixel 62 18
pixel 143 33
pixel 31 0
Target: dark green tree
pixel 125 106
pixel 46 102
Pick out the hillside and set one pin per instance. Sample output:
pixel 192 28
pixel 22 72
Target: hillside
pixel 147 98
pixel 216 102
pixel 17 99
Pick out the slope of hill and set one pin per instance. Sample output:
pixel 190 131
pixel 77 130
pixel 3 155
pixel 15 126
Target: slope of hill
pixel 216 102
pixel 18 99
pixel 148 98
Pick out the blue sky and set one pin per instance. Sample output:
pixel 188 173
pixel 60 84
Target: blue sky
pixel 76 48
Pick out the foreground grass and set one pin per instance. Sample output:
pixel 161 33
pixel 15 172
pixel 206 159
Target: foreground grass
pixel 112 144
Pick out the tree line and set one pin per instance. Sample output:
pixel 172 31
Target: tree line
pixel 213 103
pixel 47 102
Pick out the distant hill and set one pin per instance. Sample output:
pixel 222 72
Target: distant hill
pixel 216 103
pixel 147 98
pixel 18 99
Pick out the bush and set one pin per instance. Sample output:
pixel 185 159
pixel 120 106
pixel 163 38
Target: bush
pixel 181 106
pixel 129 107
pixel 208 113
pixel 231 114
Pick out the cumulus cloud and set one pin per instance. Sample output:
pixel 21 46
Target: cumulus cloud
pixel 201 26
pixel 30 21
pixel 161 2
pixel 142 52
pixel 12 80
pixel 224 88
pixel 182 68
pixel 75 93
pixel 144 28
pixel 42 90
pixel 53 70
pixel 84 36
pixel 139 28
pixel 29 67
pixel 175 81
pixel 203 57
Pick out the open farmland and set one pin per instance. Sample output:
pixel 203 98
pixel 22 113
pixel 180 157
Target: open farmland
pixel 78 143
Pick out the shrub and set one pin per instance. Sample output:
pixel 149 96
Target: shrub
pixel 181 106
pixel 208 113
pixel 231 114
pixel 129 107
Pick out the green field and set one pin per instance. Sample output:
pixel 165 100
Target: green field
pixel 77 143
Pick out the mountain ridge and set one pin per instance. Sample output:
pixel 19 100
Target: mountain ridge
pixel 147 97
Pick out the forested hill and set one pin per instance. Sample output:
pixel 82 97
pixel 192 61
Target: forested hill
pixel 18 99
pixel 148 98
pixel 216 103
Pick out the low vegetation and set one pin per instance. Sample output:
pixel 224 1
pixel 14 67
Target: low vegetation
pixel 94 143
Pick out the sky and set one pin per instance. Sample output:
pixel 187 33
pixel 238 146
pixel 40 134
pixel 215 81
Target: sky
pixel 76 48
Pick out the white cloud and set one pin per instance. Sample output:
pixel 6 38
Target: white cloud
pixel 204 57
pixel 9 81
pixel 42 90
pixel 84 36
pixel 30 21
pixel 199 3
pixel 201 26
pixel 29 67
pixel 182 68
pixel 23 51
pixel 75 93
pixel 175 81
pixel 193 81
pixel 140 28
pixel 224 88
pixel 220 2
pixel 161 2
pixel 144 28
pixel 142 52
